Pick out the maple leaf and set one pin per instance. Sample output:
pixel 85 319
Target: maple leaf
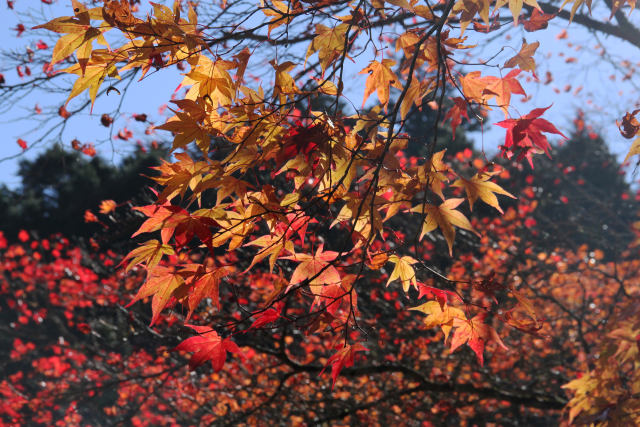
pixel 186 128
pixel 403 270
pixel 284 84
pixel 267 316
pixel 475 333
pixel 537 21
pixel 633 150
pixel 515 6
pixel 433 171
pixel 417 90
pixel 316 269
pixel 456 113
pixel 406 41
pixel 79 34
pixel 91 78
pixel 204 283
pixel 107 206
pixel 150 253
pixel 195 225
pixel 440 295
pixel 207 345
pixel 161 282
pixel 272 246
pixel 343 358
pixel 161 217
pixel 212 80
pixel 329 43
pixel 469 9
pixel 302 140
pixel 281 13
pixel 525 133
pixel 630 125
pixel 475 87
pixel 482 28
pixel 479 186
pixel 502 88
pixel 377 260
pixel 524 58
pixel 176 221
pixel 339 296
pixel 523 316
pixel 90 216
pixel 576 5
pixel 380 79
pixel 445 217
pixel 439 314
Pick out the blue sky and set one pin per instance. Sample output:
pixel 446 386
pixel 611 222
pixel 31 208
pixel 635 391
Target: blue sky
pixel 155 90
pixel 572 62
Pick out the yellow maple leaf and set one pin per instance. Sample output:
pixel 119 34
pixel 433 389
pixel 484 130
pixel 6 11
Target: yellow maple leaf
pixel 329 43
pixel 90 78
pixel 445 217
pixel 635 149
pixel 150 253
pixel 479 187
pixel 576 5
pixel 438 315
pixel 515 6
pixel 404 271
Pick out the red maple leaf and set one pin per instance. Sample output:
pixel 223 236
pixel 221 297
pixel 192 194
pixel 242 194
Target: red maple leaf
pixel 440 295
pixel 301 140
pixel 537 21
pixel 525 134
pixel 207 345
pixel 456 113
pixel 270 315
pixel 342 358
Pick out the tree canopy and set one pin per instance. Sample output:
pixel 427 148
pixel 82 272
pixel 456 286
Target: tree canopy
pixel 305 225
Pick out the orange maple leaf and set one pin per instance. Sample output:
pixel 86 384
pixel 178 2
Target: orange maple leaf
pixel 316 269
pixel 204 283
pixel 380 79
pixel 524 58
pixel 502 88
pixel 161 282
pixel 475 333
pixel 107 206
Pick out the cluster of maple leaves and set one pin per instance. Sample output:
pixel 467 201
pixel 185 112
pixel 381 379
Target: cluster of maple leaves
pixel 60 307
pixel 317 195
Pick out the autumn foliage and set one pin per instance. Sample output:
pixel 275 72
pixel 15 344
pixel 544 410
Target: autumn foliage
pixel 318 271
